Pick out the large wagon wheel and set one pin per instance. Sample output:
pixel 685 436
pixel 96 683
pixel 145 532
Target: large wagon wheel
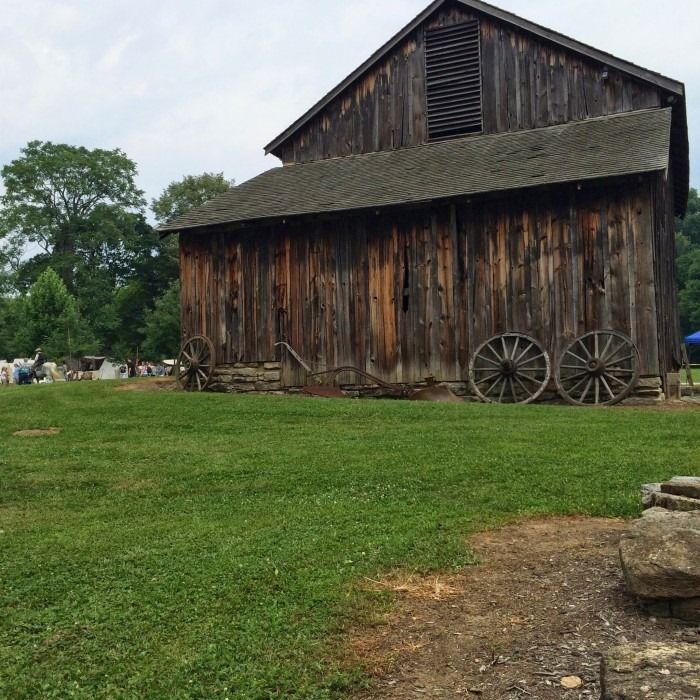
pixel 195 364
pixel 598 369
pixel 510 368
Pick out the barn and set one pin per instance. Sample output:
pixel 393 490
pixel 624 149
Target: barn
pixel 483 198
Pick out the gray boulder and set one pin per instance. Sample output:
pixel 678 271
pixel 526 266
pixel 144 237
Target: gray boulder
pixel 651 670
pixel 672 502
pixel 660 555
pixel 687 486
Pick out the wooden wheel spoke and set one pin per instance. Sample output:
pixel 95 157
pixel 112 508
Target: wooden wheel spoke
pixel 495 354
pixel 578 384
pixel 571 377
pixel 532 359
pixel 596 383
pixel 607 387
pixel 522 386
pixel 624 359
pixel 495 384
pixel 491 362
pixel 609 358
pixel 529 379
pixel 512 390
pixel 503 391
pixel 606 348
pixel 572 366
pixel 515 348
pixel 585 349
pixel 524 352
pixel 587 389
pixel 615 379
pixel 578 357
pixel 489 378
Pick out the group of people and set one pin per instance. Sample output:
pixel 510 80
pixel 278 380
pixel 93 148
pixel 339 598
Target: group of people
pixel 132 368
pixel 25 371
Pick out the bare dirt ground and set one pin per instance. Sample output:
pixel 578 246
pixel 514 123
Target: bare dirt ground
pixel 546 600
pixel 146 385
pixel 42 432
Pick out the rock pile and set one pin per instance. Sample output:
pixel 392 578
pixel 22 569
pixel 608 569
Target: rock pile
pixel 680 493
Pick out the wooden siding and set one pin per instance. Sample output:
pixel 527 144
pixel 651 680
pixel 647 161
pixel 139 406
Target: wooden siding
pixel 527 83
pixel 411 294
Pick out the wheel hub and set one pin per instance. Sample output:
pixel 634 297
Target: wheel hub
pixel 596 367
pixel 508 367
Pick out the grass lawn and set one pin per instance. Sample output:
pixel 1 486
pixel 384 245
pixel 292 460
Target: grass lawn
pixel 696 375
pixel 169 545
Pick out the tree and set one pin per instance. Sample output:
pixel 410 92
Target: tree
pixel 162 325
pixel 67 200
pixel 51 319
pixel 688 265
pixel 190 192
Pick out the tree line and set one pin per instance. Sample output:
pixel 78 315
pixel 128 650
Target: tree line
pixel 82 271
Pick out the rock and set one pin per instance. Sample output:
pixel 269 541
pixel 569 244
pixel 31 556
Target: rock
pixel 648 491
pixel 671 502
pixel 688 486
pixel 687 609
pixel 659 556
pixel 653 670
pixel 571 682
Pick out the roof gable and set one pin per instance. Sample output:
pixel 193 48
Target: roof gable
pixel 509 18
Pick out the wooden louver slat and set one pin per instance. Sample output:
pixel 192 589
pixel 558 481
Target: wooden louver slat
pixel 453 80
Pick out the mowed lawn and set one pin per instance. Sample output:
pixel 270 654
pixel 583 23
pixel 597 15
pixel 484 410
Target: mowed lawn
pixel 168 545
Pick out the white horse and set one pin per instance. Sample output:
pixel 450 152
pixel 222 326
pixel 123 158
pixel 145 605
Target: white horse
pixel 48 373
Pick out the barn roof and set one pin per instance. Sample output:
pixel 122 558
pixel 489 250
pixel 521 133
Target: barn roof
pixel 606 59
pixel 615 145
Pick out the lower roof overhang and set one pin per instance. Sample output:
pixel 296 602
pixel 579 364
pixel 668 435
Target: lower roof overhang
pixel 605 147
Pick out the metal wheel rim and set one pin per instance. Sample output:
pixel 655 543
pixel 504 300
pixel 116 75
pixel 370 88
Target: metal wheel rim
pixel 600 368
pixel 510 368
pixel 195 364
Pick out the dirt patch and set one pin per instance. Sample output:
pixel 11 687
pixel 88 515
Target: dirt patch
pixel 37 433
pixel 545 602
pixel 146 385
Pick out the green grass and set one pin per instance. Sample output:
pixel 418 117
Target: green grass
pixel 202 546
pixel 696 375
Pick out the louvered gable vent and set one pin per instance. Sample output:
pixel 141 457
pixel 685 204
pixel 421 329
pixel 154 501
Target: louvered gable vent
pixel 453 80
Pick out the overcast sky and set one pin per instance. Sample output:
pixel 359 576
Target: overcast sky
pixel 187 86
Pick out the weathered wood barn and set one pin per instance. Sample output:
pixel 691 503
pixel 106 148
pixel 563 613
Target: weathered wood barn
pixel 478 175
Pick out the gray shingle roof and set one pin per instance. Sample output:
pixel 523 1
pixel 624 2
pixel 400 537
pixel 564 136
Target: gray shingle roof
pixel 623 144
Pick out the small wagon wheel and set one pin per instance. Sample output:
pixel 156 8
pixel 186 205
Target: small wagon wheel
pixel 510 368
pixel 600 368
pixel 195 364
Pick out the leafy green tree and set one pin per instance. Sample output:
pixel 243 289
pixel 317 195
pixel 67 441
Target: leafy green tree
pixel 68 200
pixel 51 320
pixel 688 265
pixel 162 325
pixel 193 190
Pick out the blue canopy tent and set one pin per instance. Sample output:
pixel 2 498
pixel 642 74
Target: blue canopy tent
pixel 692 342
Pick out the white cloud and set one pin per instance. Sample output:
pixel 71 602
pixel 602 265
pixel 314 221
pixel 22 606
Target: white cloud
pixel 185 87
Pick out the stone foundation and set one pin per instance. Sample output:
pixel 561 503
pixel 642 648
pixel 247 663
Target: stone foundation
pixel 247 377
pixel 265 378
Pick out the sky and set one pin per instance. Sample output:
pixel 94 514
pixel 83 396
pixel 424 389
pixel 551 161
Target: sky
pixel 185 87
